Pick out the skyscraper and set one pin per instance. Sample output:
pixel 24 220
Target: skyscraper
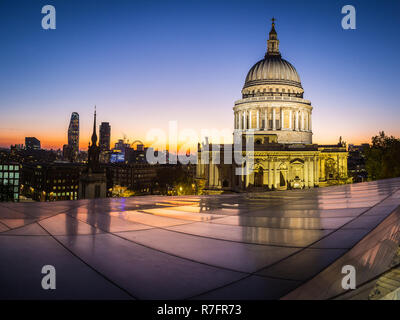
pixel 105 134
pixel 73 135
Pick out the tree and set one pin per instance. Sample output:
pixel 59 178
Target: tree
pixel 383 157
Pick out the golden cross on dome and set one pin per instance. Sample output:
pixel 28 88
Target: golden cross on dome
pixel 273 20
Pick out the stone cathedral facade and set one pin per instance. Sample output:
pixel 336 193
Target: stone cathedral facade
pixel 273 111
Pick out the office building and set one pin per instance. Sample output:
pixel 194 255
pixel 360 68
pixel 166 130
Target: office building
pixel 32 143
pixel 9 181
pixel 73 135
pixel 105 135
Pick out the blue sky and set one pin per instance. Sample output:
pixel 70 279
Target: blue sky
pixel 144 63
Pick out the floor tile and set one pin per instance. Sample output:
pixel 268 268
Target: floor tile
pixel 252 288
pixel 219 253
pixel 303 265
pixel 144 272
pixel 21 263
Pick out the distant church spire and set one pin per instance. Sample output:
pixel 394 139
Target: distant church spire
pixel 94 135
pixel 94 150
pixel 273 42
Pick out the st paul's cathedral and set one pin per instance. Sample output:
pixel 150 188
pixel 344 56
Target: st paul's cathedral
pixel 273 111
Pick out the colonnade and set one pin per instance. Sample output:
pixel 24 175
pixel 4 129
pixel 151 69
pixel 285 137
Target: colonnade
pixel 273 168
pixel 272 118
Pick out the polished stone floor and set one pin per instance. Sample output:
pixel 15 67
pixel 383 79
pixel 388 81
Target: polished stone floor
pixel 288 244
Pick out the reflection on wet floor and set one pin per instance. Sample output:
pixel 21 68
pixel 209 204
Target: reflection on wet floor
pixel 206 247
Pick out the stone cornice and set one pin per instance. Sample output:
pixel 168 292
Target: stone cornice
pixel 273 102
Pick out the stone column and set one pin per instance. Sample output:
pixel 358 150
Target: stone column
pixel 311 173
pixel 250 118
pixel 302 121
pixel 240 120
pixel 281 121
pixel 244 120
pixel 296 121
pixel 251 177
pixel 247 175
pixel 273 119
pixel 241 178
pixel 266 119
pixel 211 174
pixel 270 160
pixel 258 119
pixel 275 174
pixel 290 120
pixel 310 121
pixel 265 177
pixel 316 170
pixel 215 181
pixel 306 172
pixel 305 122
pixel 216 175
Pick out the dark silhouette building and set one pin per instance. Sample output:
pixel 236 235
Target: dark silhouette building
pixel 137 177
pixel 51 181
pixel 32 143
pixel 93 181
pixel 105 134
pixel 67 152
pixel 9 181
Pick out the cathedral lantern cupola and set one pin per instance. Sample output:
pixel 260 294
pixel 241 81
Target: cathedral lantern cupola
pixel 273 42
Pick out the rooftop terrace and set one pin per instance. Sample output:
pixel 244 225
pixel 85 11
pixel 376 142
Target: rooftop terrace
pixel 289 244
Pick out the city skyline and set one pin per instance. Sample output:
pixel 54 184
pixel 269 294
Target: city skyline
pixel 227 151
pixel 159 63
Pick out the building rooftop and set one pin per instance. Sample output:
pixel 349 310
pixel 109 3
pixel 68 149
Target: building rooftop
pixel 282 244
